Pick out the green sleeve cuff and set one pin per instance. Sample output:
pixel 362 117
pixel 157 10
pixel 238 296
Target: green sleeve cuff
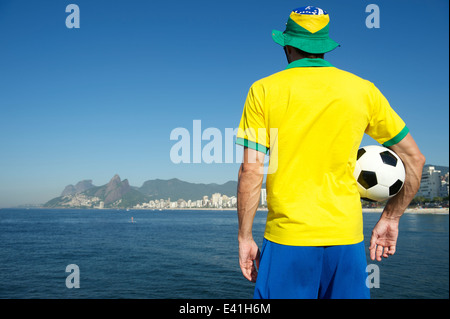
pixel 252 145
pixel 400 136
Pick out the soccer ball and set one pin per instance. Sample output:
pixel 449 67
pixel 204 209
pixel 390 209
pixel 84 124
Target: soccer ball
pixel 379 173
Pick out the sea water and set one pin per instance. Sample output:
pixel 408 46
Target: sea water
pixel 191 254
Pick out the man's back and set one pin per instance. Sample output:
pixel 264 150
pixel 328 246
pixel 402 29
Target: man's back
pixel 319 114
pixel 312 118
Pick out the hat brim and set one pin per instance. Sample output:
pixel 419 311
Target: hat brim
pixel 278 37
pixel 315 46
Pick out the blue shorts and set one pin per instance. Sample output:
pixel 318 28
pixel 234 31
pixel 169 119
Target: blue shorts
pixel 300 272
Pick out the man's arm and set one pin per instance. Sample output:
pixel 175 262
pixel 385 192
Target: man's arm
pixel 248 194
pixel 385 232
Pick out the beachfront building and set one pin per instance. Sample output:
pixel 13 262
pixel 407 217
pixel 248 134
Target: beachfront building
pixel 263 197
pixel 233 201
pixel 216 200
pixel 430 186
pixel 444 186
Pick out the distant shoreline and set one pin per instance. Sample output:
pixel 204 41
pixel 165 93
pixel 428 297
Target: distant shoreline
pixel 365 210
pixel 441 211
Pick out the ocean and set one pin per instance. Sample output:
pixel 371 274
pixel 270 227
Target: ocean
pixel 189 254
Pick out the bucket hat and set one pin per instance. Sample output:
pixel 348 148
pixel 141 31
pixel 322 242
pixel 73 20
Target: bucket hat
pixel 307 30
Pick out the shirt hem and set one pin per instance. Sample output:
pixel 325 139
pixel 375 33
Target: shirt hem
pixel 313 242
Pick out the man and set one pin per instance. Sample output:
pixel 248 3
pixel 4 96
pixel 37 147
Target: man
pixel 312 117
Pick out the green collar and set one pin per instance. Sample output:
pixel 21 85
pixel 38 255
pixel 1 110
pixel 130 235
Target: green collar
pixel 308 63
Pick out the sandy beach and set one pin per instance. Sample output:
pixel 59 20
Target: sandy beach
pixel 365 210
pixel 412 210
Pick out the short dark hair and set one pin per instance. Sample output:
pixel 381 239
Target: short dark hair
pixel 307 54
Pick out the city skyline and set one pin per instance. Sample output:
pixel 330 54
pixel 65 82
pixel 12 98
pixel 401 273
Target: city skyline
pixel 435 185
pixel 103 99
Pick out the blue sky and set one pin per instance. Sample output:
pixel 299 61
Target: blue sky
pixel 103 99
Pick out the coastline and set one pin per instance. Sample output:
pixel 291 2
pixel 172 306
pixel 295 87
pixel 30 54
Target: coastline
pixel 439 211
pixel 442 211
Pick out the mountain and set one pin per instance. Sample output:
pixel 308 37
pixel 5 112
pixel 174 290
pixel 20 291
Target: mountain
pixel 178 189
pixel 78 188
pixel 116 193
pixel 112 191
pixel 119 194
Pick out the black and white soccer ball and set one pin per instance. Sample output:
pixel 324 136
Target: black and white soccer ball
pixel 379 173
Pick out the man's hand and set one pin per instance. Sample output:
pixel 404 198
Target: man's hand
pixel 248 195
pixel 384 238
pixel 384 235
pixel 248 257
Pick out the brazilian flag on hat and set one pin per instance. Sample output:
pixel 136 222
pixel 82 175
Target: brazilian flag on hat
pixel 307 30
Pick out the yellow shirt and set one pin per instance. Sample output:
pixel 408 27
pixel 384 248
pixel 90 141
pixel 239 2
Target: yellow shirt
pixel 312 117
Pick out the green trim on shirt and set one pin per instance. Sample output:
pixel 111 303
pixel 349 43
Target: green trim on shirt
pixel 252 145
pixel 397 138
pixel 309 63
